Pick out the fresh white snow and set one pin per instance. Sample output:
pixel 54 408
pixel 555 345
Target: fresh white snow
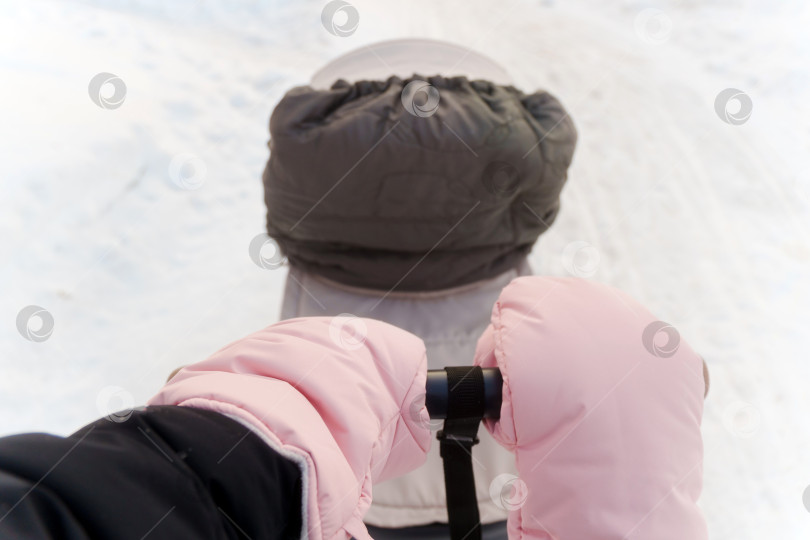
pixel 703 221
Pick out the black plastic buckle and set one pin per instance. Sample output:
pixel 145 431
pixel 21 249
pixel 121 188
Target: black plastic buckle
pixel 463 440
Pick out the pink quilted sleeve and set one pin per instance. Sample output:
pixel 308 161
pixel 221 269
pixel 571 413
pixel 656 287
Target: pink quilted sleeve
pixel 602 407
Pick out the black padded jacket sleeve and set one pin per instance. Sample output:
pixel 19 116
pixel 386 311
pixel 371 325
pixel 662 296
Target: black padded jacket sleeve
pixel 163 472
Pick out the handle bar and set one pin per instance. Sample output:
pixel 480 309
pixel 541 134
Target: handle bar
pixel 437 393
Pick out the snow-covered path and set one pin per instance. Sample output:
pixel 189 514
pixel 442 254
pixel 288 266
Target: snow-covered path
pixel 705 222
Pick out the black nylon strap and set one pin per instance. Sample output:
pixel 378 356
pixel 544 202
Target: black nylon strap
pixel 465 409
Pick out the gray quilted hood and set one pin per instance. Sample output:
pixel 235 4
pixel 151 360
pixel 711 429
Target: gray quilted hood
pixel 385 185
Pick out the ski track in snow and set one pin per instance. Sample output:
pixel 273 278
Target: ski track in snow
pixel 704 222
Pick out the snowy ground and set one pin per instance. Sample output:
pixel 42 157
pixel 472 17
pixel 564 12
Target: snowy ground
pixel 704 221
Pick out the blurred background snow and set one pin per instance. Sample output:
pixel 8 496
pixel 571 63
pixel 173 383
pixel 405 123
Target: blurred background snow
pixel 704 221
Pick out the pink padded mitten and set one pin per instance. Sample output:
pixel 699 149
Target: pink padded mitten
pixel 335 395
pixel 602 407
